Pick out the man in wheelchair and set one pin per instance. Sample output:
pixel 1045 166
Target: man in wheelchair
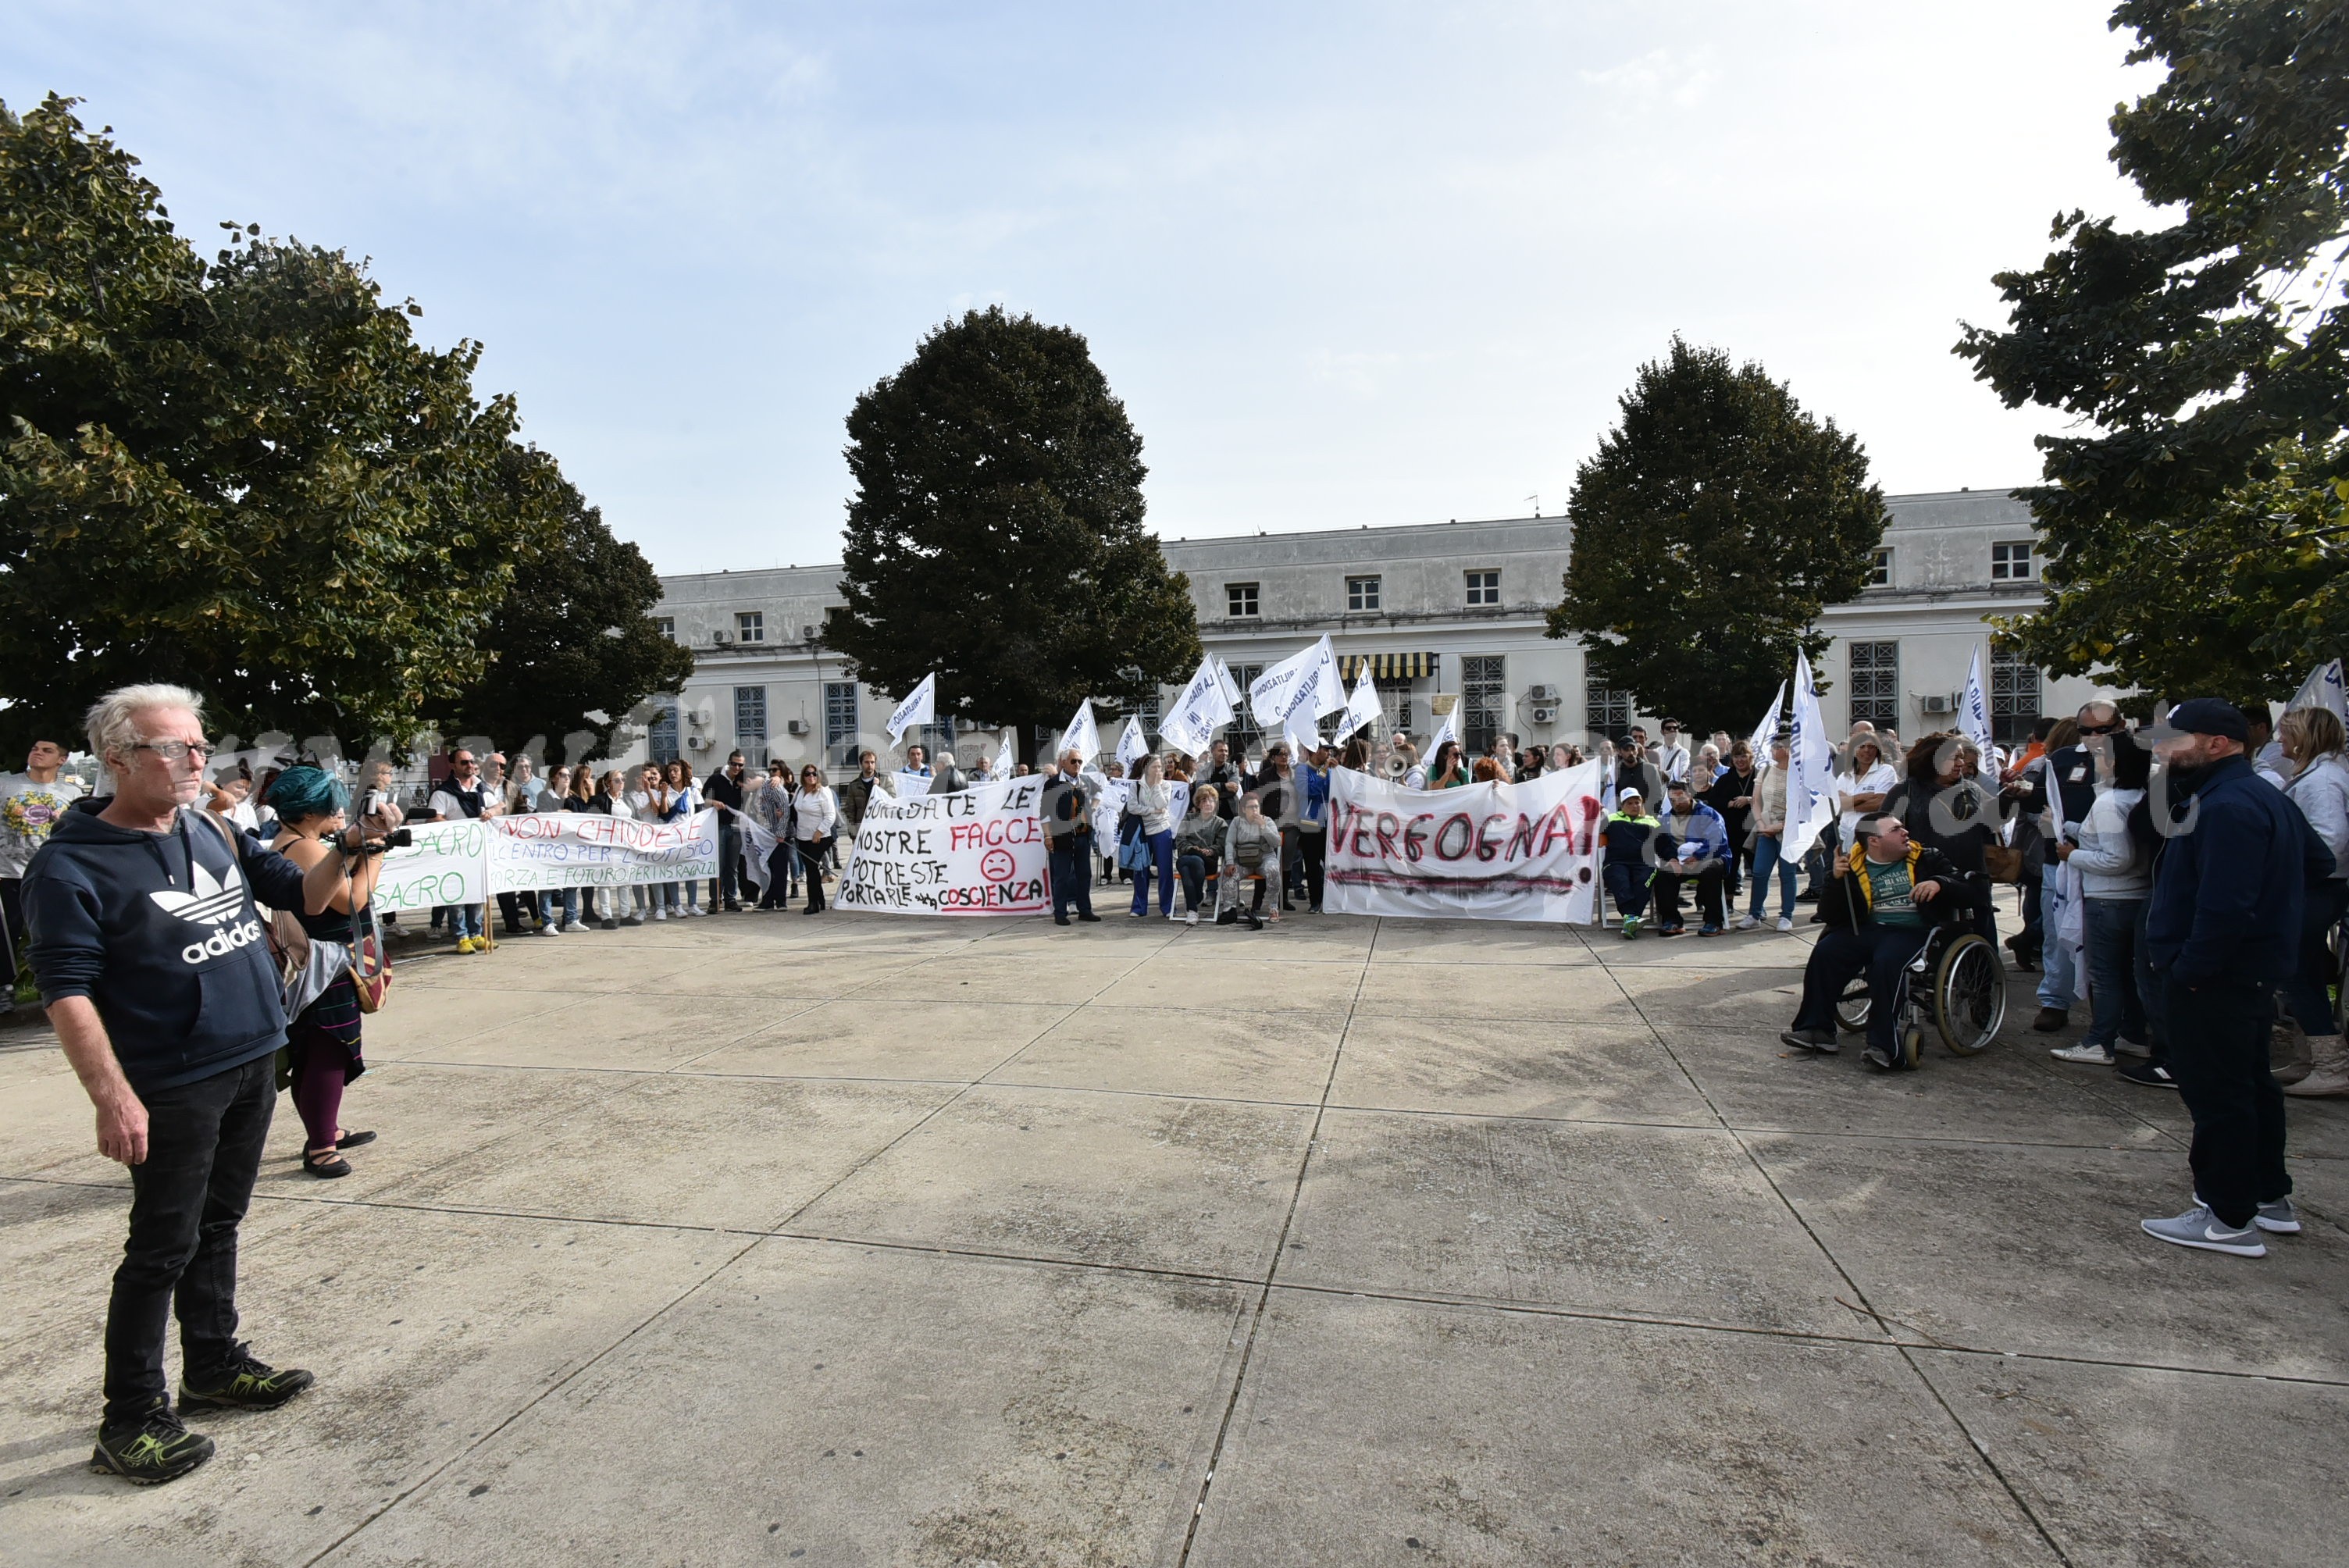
pixel 1886 896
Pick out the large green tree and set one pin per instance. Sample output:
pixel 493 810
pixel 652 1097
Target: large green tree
pixel 573 638
pixel 996 533
pixel 246 475
pixel 1717 519
pixel 2195 529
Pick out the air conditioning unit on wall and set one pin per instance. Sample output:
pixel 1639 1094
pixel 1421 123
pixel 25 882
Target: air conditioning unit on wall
pixel 796 726
pixel 1935 704
pixel 1545 714
pixel 1542 694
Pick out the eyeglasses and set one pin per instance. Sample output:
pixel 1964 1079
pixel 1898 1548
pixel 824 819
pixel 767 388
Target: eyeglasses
pixel 176 750
pixel 462 762
pixel 2115 727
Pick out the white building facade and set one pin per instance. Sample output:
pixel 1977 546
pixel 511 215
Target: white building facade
pixel 1450 616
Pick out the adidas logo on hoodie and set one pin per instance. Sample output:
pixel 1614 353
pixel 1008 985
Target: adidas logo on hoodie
pixel 214 901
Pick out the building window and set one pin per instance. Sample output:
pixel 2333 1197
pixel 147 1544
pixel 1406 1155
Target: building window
pixel 2014 697
pixel 1880 569
pixel 1146 710
pixel 1876 684
pixel 1484 588
pixel 660 740
pixel 1239 599
pixel 1242 731
pixel 839 717
pixel 2010 561
pixel 750 627
pixel 1361 594
pixel 1483 694
pixel 1607 710
pixel 665 624
pixel 751 723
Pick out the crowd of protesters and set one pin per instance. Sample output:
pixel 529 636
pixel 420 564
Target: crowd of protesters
pixel 2188 878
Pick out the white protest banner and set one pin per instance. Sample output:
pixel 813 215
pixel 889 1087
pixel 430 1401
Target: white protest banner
pixel 910 786
pixel 1191 724
pixel 1109 804
pixel 1132 746
pixel 1810 771
pixel 448 862
pixel 1362 710
pixel 974 851
pixel 1480 851
pixel 1083 735
pixel 1224 682
pixel 920 706
pixel 585 849
pixel 759 849
pixel 2323 688
pixel 1007 761
pixel 1446 731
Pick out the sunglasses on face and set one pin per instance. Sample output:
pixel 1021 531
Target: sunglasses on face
pixel 2112 729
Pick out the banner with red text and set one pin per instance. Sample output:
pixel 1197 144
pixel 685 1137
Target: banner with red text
pixel 585 849
pixel 976 852
pixel 1483 851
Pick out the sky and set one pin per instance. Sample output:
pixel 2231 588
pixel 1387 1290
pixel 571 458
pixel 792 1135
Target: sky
pixel 1346 264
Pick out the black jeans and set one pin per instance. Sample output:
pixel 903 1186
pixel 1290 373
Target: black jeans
pixel 2218 1055
pixel 1313 856
pixel 1198 874
pixel 186 1197
pixel 1882 951
pixel 1626 887
pixel 1072 874
pixel 811 864
pixel 779 875
pixel 1707 879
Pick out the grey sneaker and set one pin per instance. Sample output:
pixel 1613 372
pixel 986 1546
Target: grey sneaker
pixel 1820 1040
pixel 2125 1046
pixel 2085 1054
pixel 2199 1227
pixel 2279 1218
pixel 1747 923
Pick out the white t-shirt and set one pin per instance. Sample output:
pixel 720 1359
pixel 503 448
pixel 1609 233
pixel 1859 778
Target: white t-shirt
pixel 1878 781
pixel 27 812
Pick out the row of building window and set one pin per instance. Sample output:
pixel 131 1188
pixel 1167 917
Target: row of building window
pixel 2010 561
pixel 1480 589
pixel 1873 694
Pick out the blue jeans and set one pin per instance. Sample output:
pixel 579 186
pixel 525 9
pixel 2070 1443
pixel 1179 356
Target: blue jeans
pixel 1162 860
pixel 1198 871
pixel 2120 974
pixel 1766 857
pixel 2056 987
pixel 465 919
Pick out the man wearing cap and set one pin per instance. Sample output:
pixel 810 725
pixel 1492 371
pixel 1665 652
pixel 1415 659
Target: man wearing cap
pixel 2223 931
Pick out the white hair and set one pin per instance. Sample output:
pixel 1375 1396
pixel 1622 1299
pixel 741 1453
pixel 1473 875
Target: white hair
pixel 112 719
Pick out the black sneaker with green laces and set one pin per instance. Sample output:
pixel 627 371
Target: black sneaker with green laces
pixel 243 1384
pixel 150 1451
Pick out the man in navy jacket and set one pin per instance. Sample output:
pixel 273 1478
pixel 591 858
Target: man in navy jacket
pixel 2221 930
pixel 153 964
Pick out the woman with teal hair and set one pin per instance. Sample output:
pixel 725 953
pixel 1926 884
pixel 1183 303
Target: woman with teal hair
pixel 323 1039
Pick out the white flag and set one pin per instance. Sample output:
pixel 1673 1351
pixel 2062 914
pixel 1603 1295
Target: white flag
pixel 1198 712
pixel 1767 730
pixel 919 707
pixel 1973 722
pixel 1304 736
pixel 2322 689
pixel 1083 735
pixel 1306 684
pixel 1132 746
pixel 1007 761
pixel 1224 682
pixel 1362 710
pixel 1446 731
pixel 1810 775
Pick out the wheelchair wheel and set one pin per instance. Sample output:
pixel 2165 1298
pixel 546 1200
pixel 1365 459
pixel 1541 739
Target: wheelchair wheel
pixel 1912 1045
pixel 1851 1007
pixel 1969 995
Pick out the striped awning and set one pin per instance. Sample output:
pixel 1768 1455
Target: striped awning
pixel 1385 667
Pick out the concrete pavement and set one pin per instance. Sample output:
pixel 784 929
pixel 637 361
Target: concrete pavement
pixel 862 1240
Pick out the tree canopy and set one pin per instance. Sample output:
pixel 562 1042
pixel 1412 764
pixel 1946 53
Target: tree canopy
pixel 2196 533
pixel 245 475
pixel 574 637
pixel 995 532
pixel 1715 522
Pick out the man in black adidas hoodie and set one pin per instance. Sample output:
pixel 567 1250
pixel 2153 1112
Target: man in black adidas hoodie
pixel 153 963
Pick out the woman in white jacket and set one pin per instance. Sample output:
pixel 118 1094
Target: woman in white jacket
pixel 814 810
pixel 2319 785
pixel 2115 883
